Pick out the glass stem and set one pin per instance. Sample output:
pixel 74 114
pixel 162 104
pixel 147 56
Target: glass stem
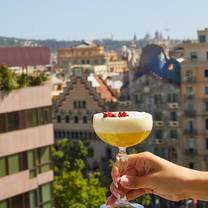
pixel 122 160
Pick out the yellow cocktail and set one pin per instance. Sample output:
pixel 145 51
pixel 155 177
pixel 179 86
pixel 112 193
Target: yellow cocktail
pixel 123 129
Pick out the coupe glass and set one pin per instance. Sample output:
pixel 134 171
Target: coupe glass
pixel 123 132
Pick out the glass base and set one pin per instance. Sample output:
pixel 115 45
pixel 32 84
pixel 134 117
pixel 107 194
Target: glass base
pixel 130 205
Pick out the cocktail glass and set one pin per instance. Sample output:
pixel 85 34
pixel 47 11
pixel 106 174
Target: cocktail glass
pixel 122 132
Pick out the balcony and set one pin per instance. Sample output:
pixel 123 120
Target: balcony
pixel 189 112
pixel 190 152
pixel 159 123
pixel 172 105
pixel 190 131
pixel 190 79
pixel 189 96
pixel 173 124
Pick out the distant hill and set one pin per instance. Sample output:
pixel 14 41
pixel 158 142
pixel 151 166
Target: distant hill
pixel 53 44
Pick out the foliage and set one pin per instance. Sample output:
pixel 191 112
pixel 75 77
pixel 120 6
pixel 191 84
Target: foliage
pixel 22 80
pixel 144 200
pixel 10 81
pixel 7 79
pixel 71 187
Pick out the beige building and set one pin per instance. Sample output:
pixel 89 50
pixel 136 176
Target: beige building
pixel 26 135
pixel 194 90
pixel 91 54
pixel 85 53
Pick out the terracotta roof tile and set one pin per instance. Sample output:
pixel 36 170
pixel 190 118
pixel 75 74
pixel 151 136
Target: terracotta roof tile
pixel 105 91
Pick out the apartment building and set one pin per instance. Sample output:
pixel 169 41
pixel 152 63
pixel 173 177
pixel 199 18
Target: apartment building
pixel 194 90
pixel 26 136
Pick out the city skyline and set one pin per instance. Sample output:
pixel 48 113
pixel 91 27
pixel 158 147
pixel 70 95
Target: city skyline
pixel 70 20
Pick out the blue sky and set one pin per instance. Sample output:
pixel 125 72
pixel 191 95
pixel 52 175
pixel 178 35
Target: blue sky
pixel 95 19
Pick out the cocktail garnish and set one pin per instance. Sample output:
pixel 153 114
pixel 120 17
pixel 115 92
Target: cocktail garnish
pixel 111 114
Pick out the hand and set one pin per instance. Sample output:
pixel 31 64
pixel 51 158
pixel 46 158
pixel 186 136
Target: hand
pixel 148 173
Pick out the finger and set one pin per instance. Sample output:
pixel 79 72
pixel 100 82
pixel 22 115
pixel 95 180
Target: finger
pixel 116 192
pixel 115 175
pixel 135 182
pixel 111 200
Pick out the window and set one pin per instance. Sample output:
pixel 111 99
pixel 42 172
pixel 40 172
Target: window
pixel 206 72
pixel 83 61
pixel 67 119
pixel 172 98
pixel 88 61
pixel 31 163
pixel 173 116
pixel 44 159
pixel 206 105
pixel 158 116
pixel 207 143
pixel 32 117
pixel 158 134
pixel 189 90
pixel 207 55
pixel 173 134
pixel 76 119
pixel 58 119
pixel 75 104
pixel 3 204
pixel 33 199
pixel 202 38
pixel 157 99
pixel 190 125
pixel 13 164
pixel 12 121
pixel 83 104
pixel 206 123
pixel 46 194
pixel 206 90
pixel 47 115
pixel 16 202
pixel 2 123
pixel 191 165
pixel 85 119
pixel 193 55
pixel 3 171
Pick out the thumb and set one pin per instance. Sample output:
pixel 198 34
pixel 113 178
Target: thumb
pixel 135 182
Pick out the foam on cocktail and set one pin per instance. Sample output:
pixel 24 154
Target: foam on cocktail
pixel 123 131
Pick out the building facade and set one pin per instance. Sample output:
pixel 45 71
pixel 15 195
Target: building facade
pixel 160 98
pixel 26 136
pixel 194 90
pixel 83 96
pixel 83 54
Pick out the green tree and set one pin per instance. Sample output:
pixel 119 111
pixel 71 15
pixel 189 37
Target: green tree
pixel 71 187
pixel 7 79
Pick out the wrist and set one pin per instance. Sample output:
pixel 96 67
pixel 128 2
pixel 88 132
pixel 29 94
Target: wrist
pixel 197 184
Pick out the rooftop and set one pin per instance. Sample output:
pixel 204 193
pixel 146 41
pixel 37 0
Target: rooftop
pixel 24 56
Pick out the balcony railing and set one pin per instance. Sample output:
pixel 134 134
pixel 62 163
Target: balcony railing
pixel 189 96
pixel 190 79
pixel 189 112
pixel 190 131
pixel 190 151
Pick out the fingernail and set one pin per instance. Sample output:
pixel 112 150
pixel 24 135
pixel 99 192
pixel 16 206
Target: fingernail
pixel 124 179
pixel 116 195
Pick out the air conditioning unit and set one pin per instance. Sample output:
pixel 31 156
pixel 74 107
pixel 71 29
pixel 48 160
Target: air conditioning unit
pixel 173 105
pixel 159 123
pixel 173 123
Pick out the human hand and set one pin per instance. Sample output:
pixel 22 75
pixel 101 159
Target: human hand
pixel 148 173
